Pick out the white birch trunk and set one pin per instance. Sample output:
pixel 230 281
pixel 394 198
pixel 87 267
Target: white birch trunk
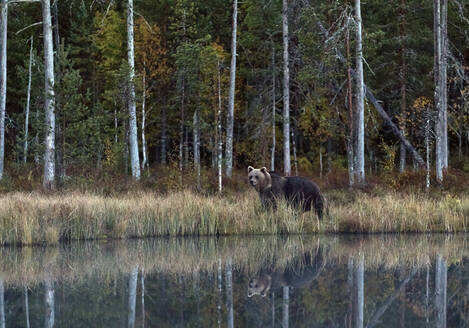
pixel 443 80
pixel 132 297
pixel 49 102
pixel 144 140
pixel 440 291
pixel 438 105
pixel 295 161
pixel 360 153
pixel 272 156
pixel 229 292
pixel 133 139
pixel 163 136
pixel 286 92
pixel 219 140
pixel 28 101
pixel 196 145
pixel 285 307
pixel 49 318
pixel 231 99
pixel 115 124
pixel 3 80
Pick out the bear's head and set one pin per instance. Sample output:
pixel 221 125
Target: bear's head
pixel 259 285
pixel 260 179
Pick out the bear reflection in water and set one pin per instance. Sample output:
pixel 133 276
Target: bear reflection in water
pixel 300 274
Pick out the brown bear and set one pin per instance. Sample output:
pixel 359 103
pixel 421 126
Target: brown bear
pixel 300 274
pixel 299 192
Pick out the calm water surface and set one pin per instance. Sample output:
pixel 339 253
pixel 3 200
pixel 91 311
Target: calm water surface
pixel 309 281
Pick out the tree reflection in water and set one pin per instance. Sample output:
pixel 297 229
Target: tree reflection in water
pixel 240 282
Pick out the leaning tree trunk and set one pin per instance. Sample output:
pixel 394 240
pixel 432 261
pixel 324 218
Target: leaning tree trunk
pixel 3 80
pixel 371 97
pixel 360 128
pixel 231 100
pixel 133 139
pixel 49 102
pixel 286 92
pixel 28 101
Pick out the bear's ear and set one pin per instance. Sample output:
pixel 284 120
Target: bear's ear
pixel 250 168
pixel 264 170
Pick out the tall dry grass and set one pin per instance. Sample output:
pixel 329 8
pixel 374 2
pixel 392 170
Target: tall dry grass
pixel 37 218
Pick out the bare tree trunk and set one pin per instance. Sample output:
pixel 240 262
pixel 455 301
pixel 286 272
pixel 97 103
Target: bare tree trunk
pixel 229 292
pixel 144 141
pixel 427 148
pixel 182 129
pixel 272 156
pixel 163 135
pixel 320 162
pixel 440 291
pixel 49 102
pixel 28 101
pixel 403 35
pixel 286 92
pixel 132 297
pixel 360 154
pixel 196 145
pixel 285 307
pixel 444 78
pixel 231 100
pixel 50 303
pixel 3 80
pixel 115 124
pixel 133 140
pixel 219 140
pixel 2 304
pixel 439 158
pixel 295 160
pixel 350 143
pixel 26 306
pixel 36 138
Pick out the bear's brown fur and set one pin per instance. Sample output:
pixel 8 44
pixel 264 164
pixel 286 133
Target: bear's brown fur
pixel 299 192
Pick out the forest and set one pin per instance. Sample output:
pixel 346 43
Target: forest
pixel 181 94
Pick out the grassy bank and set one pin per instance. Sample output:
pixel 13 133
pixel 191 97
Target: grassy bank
pixel 36 218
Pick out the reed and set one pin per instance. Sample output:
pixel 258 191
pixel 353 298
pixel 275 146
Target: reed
pixel 27 219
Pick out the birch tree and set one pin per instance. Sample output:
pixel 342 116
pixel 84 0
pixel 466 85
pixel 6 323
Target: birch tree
pixel 28 101
pixel 403 78
pixel 49 100
pixel 286 92
pixel 219 132
pixel 3 80
pixel 133 138
pixel 196 145
pixel 360 95
pixel 272 156
pixel 231 99
pixel 144 140
pixel 440 93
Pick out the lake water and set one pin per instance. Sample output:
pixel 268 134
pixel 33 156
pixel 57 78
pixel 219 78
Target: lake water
pixel 307 281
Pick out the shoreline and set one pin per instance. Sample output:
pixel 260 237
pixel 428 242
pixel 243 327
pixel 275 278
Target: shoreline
pixel 41 219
